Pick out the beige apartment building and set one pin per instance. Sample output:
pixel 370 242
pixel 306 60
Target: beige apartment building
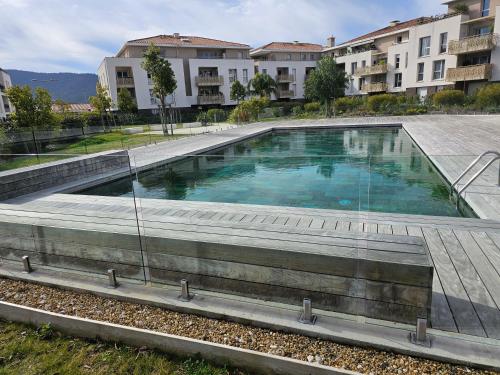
pixel 5 106
pixel 204 69
pixel 289 64
pixel 426 54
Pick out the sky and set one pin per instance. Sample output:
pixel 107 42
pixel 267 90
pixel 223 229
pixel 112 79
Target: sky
pixel 75 35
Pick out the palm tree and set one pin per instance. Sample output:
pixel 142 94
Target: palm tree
pixel 262 84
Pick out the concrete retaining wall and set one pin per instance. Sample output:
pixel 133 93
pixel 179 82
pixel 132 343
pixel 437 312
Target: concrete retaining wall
pixel 17 182
pixel 180 346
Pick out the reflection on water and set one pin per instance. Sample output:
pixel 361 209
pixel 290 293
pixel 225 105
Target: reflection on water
pixel 354 169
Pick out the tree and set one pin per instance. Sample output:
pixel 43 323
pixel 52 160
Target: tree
pixel 163 78
pixel 101 101
pixel 238 91
pixel 32 111
pixel 262 84
pixel 126 103
pixel 326 82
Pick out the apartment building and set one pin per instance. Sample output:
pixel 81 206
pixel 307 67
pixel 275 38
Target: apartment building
pixel 426 54
pixel 289 63
pixel 5 106
pixel 204 69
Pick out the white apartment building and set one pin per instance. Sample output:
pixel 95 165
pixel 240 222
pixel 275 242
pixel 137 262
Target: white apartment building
pixel 204 69
pixel 288 63
pixel 5 106
pixel 427 54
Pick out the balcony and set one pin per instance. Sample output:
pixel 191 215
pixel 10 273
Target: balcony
pixel 284 78
pixel 125 81
pixel 209 80
pixel 210 99
pixel 371 70
pixel 472 44
pixel 469 73
pixel 285 94
pixel 374 87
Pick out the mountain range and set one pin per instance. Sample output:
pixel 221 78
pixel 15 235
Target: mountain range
pixel 70 87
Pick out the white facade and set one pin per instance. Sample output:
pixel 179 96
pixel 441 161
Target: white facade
pixel 297 69
pixel 5 106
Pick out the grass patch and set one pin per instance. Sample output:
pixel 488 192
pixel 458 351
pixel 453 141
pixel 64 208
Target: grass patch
pixel 29 351
pixel 90 145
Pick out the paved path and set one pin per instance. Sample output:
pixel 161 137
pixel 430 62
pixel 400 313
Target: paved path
pixel 451 142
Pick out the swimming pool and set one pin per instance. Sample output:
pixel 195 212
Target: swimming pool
pixel 363 169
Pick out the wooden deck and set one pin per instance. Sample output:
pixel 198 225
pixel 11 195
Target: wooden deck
pixel 465 252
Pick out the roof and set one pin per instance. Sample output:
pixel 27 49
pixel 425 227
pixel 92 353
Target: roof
pixel 177 40
pixel 289 47
pixel 79 107
pixel 386 30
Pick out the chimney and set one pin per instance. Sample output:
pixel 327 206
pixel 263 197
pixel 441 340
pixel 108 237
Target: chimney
pixel 330 41
pixel 176 35
pixel 394 23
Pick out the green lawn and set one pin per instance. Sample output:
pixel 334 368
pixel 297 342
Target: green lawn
pixel 92 144
pixel 24 350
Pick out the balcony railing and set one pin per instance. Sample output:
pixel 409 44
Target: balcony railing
pixel 125 81
pixel 371 70
pixel 469 73
pixel 209 81
pixel 374 87
pixel 285 94
pixel 285 78
pixel 472 44
pixel 211 99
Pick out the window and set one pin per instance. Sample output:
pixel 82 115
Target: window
pixel 354 66
pixel 420 72
pixel 233 75
pixel 264 71
pixel 363 63
pixel 424 46
pixel 150 82
pixel 485 8
pixel 289 57
pixel 438 71
pixel 406 60
pixel 313 57
pixel 152 98
pixel 443 43
pixel 397 59
pixel 304 56
pixel 399 39
pixel 294 73
pixel 361 83
pixel 398 79
pixel 483 30
pixel 121 74
pixel 245 75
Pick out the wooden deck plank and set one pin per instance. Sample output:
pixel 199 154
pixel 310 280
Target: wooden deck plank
pixel 343 226
pixel 399 230
pixel 490 244
pixel 317 223
pixel 370 227
pixel 483 303
pixel 384 228
pixel 461 307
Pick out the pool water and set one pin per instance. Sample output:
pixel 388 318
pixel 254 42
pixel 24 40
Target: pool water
pixel 377 169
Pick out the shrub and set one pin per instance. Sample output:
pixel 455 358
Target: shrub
pixel 448 98
pixel 249 109
pixel 203 118
pixel 277 111
pixel 489 96
pixel 382 102
pixel 347 104
pixel 297 110
pixel 216 115
pixel 312 107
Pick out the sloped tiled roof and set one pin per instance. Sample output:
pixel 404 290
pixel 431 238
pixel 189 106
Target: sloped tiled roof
pixel 187 41
pixel 73 107
pixel 291 46
pixel 387 30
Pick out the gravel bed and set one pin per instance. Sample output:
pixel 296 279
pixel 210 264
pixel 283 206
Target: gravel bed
pixel 85 305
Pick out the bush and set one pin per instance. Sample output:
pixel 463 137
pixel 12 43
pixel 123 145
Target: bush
pixel 348 104
pixel 203 118
pixel 382 102
pixel 216 115
pixel 248 110
pixel 277 111
pixel 297 110
pixel 312 107
pixel 489 96
pixel 448 98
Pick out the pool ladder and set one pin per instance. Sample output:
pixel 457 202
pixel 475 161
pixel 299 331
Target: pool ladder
pixel 454 187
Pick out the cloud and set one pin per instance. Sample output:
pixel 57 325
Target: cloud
pixel 71 35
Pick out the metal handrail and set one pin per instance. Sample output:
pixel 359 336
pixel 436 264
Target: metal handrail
pixel 472 165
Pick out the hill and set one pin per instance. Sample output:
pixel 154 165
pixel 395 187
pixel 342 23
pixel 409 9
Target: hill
pixel 70 87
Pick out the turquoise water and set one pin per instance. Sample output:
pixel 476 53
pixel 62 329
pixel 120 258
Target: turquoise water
pixel 354 169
